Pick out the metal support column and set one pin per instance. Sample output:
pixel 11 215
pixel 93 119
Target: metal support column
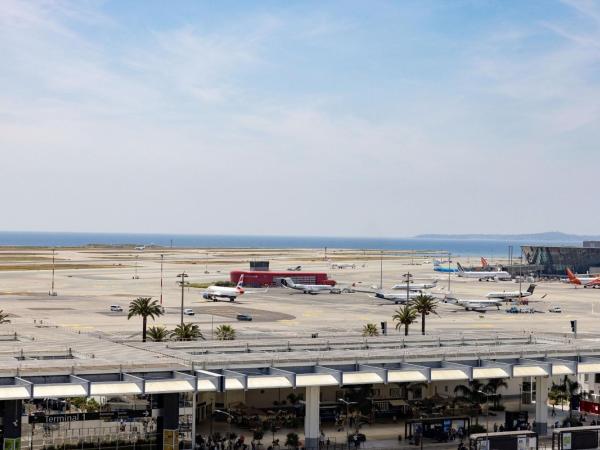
pixel 312 420
pixel 167 423
pixel 541 405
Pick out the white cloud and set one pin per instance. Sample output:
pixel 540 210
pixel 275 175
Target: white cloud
pixel 172 131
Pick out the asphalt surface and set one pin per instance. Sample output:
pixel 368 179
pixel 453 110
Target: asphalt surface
pixel 85 295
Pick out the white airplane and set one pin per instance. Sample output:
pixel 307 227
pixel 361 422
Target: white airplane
pixel 294 268
pixel 415 286
pixel 312 289
pixel 474 304
pixel 482 275
pixel 343 266
pixel 215 293
pixel 141 248
pixel 397 298
pixel 579 280
pixel 512 295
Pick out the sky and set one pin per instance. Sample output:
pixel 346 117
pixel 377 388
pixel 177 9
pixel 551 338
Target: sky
pixel 350 118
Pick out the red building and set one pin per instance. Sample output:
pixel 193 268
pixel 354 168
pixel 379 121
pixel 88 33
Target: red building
pixel 256 278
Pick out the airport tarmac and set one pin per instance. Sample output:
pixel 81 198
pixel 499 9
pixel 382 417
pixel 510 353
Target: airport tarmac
pixel 90 280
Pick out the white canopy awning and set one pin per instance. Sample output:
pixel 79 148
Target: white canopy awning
pixel 448 375
pixel 58 390
pixel 168 385
pixel 529 371
pixel 13 392
pixel 406 376
pixel 268 381
pixel 361 378
pixel 115 388
pixel 316 379
pixel 484 373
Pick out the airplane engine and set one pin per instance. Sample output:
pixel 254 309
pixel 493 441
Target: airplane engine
pixel 206 296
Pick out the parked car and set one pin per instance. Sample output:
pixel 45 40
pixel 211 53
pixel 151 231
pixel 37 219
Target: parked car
pixel 188 312
pixel 555 309
pixel 116 308
pixel 246 317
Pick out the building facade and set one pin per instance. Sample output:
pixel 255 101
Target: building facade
pixel 554 260
pixel 273 278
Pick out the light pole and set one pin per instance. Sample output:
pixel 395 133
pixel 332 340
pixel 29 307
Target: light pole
pixel 229 418
pixel 52 291
pixel 449 269
pixel 487 411
pixel 407 276
pixel 381 270
pixel 347 403
pixel 183 276
pixel 520 395
pixel 162 257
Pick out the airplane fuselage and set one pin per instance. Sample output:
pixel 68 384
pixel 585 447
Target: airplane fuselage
pixel 413 286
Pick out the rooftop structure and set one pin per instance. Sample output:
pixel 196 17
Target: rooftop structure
pixel 554 260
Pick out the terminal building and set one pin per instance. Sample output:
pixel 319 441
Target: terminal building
pixel 254 278
pixel 554 260
pixel 151 396
pixel 260 275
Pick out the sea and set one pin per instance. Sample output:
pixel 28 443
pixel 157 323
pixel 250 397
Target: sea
pixel 457 247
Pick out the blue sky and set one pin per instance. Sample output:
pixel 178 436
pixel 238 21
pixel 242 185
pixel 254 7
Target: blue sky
pixel 370 118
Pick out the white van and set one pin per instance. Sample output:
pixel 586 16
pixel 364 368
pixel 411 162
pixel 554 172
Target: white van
pixel 116 308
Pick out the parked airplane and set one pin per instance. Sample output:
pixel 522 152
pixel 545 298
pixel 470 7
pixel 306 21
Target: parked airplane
pixel 312 289
pixel 215 293
pixel 483 274
pixel 512 295
pixel 585 281
pixel 141 248
pixel 343 266
pixel 415 286
pixel 294 268
pixel 438 267
pixel 473 304
pixel 397 298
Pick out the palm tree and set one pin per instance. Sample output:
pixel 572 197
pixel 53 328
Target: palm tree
pixel 557 396
pixel 492 387
pixel 568 388
pixel 225 333
pixel 424 305
pixel 187 332
pixel 144 307
pixel 158 334
pixel 3 317
pixel 370 329
pixel 405 315
pixel 472 393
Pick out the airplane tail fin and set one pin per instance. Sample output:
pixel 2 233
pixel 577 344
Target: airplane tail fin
pixel 240 283
pixel 287 282
pixel 572 278
pixel 484 262
pixel 460 268
pixel 531 288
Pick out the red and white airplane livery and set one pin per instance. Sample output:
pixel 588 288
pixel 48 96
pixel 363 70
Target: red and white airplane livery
pixel 579 280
